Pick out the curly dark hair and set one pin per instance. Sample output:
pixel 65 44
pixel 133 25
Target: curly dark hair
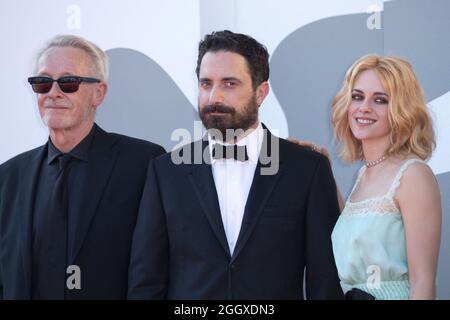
pixel 255 53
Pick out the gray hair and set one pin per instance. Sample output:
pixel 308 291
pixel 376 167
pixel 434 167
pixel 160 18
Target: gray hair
pixel 98 57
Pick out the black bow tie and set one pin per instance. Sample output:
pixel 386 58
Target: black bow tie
pixel 220 151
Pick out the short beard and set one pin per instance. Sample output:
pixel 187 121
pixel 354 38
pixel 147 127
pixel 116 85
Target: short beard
pixel 231 120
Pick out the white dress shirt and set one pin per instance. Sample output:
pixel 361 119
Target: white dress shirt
pixel 233 180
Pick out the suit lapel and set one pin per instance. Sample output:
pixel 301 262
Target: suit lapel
pixel 102 158
pixel 262 187
pixel 200 176
pixel 28 185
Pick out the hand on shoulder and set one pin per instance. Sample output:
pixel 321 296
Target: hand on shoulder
pixel 320 149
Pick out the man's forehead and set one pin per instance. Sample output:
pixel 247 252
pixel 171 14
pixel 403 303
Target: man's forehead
pixel 223 63
pixel 58 59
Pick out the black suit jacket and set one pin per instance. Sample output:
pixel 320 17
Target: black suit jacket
pixel 180 249
pixel 112 192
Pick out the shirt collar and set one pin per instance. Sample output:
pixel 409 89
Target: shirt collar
pixel 252 139
pixel 80 151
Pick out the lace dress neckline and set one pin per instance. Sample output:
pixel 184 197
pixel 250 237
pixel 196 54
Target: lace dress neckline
pixel 383 203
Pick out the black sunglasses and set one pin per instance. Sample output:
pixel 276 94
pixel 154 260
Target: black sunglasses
pixel 67 84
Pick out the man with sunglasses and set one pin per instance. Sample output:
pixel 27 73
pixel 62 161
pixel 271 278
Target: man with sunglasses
pixel 68 208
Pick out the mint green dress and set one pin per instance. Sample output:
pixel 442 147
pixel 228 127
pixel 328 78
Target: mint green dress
pixel 369 244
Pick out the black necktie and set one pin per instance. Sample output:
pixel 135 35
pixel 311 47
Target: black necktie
pixel 52 258
pixel 220 151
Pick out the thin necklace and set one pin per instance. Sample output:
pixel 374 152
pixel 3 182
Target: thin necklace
pixel 375 162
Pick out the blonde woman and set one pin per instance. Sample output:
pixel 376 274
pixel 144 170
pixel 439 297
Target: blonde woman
pixel 386 240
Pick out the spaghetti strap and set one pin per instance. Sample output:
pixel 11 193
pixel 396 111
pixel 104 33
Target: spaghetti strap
pixel 396 182
pixel 358 178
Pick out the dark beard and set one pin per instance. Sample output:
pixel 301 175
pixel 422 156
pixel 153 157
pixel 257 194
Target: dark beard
pixel 231 120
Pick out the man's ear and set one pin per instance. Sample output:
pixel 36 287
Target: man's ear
pixel 261 92
pixel 100 93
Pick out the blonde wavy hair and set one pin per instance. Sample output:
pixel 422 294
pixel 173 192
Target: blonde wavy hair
pixel 412 129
